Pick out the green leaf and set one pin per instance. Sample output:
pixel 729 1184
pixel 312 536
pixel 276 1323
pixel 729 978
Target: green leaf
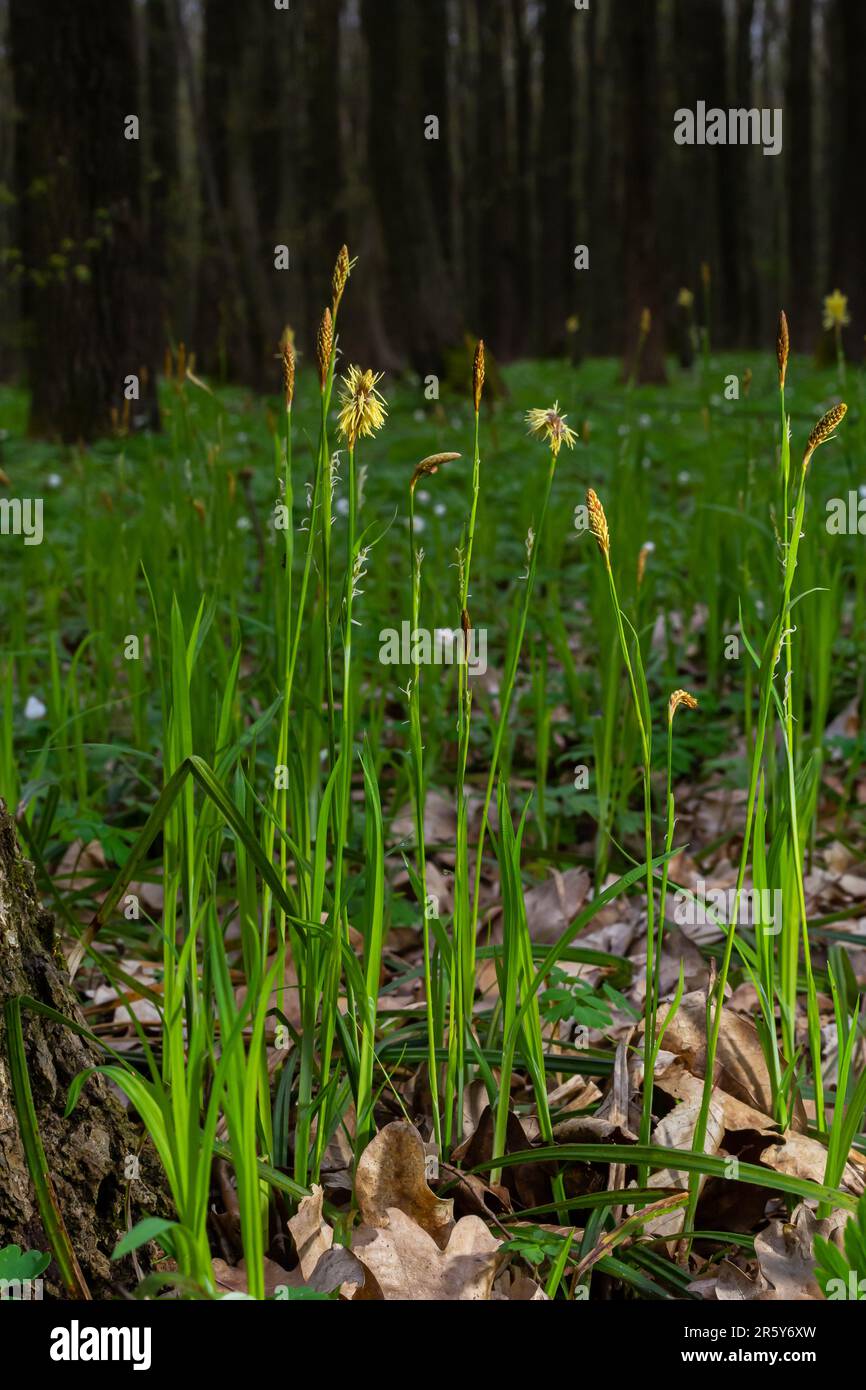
pixel 18 1264
pixel 151 1228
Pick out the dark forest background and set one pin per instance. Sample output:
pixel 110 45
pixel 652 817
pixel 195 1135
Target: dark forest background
pixel 305 127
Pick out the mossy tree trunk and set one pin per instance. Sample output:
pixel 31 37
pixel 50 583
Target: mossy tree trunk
pixel 89 1153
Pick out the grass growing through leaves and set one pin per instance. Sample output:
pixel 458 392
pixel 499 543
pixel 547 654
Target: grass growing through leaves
pixel 206 700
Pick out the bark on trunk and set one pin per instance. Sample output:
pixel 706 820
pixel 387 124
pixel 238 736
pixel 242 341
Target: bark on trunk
pixel 88 1153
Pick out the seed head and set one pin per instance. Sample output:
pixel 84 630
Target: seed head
pixel 430 465
pixel 324 346
pixel 824 430
pixel 478 375
pixel 550 425
pixel 680 697
pixel 598 523
pixel 646 323
pixel 706 274
pixel 363 409
pixel 685 298
pixel 783 346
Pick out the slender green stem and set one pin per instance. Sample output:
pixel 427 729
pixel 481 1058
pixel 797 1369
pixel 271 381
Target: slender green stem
pixel 419 799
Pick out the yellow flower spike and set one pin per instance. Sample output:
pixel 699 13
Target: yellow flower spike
pixel 836 310
pixel 363 408
pixel 550 425
pixel 680 697
pixel 598 523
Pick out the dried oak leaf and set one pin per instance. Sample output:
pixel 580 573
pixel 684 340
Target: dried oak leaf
pixel 391 1175
pixel 233 1278
pixel 677 1131
pixel 802 1157
pixel 406 1262
pixel 740 1069
pixel 785 1263
pixel 311 1233
pixel 675 1080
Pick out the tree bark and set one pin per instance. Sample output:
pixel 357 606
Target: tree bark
pixel 88 1152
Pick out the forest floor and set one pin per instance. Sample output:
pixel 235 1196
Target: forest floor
pixel 361 1060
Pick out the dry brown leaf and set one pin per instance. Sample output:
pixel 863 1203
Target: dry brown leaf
pixel 233 1278
pixel 519 1288
pixel 802 1157
pixel 408 1264
pixel 554 904
pixel 785 1259
pixel 311 1233
pixel 675 1080
pixel 391 1174
pixel 677 1131
pixel 339 1269
pixel 440 821
pixel 740 1067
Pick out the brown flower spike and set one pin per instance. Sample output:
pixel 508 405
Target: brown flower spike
pixel 289 372
pixel 478 375
pixel 431 465
pixel 783 346
pixel 342 271
pixel 324 346
pixel 598 523
pixel 827 424
pixel 824 430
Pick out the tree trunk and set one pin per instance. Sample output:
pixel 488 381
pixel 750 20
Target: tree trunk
pixel 643 279
pixel 846 134
pixel 224 338
pixel 91 292
pixel 802 303
pixel 89 1153
pixel 421 285
pixel 502 294
pixel 556 272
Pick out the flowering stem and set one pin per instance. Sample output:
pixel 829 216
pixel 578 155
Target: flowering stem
pixel 419 799
pixel 463 972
